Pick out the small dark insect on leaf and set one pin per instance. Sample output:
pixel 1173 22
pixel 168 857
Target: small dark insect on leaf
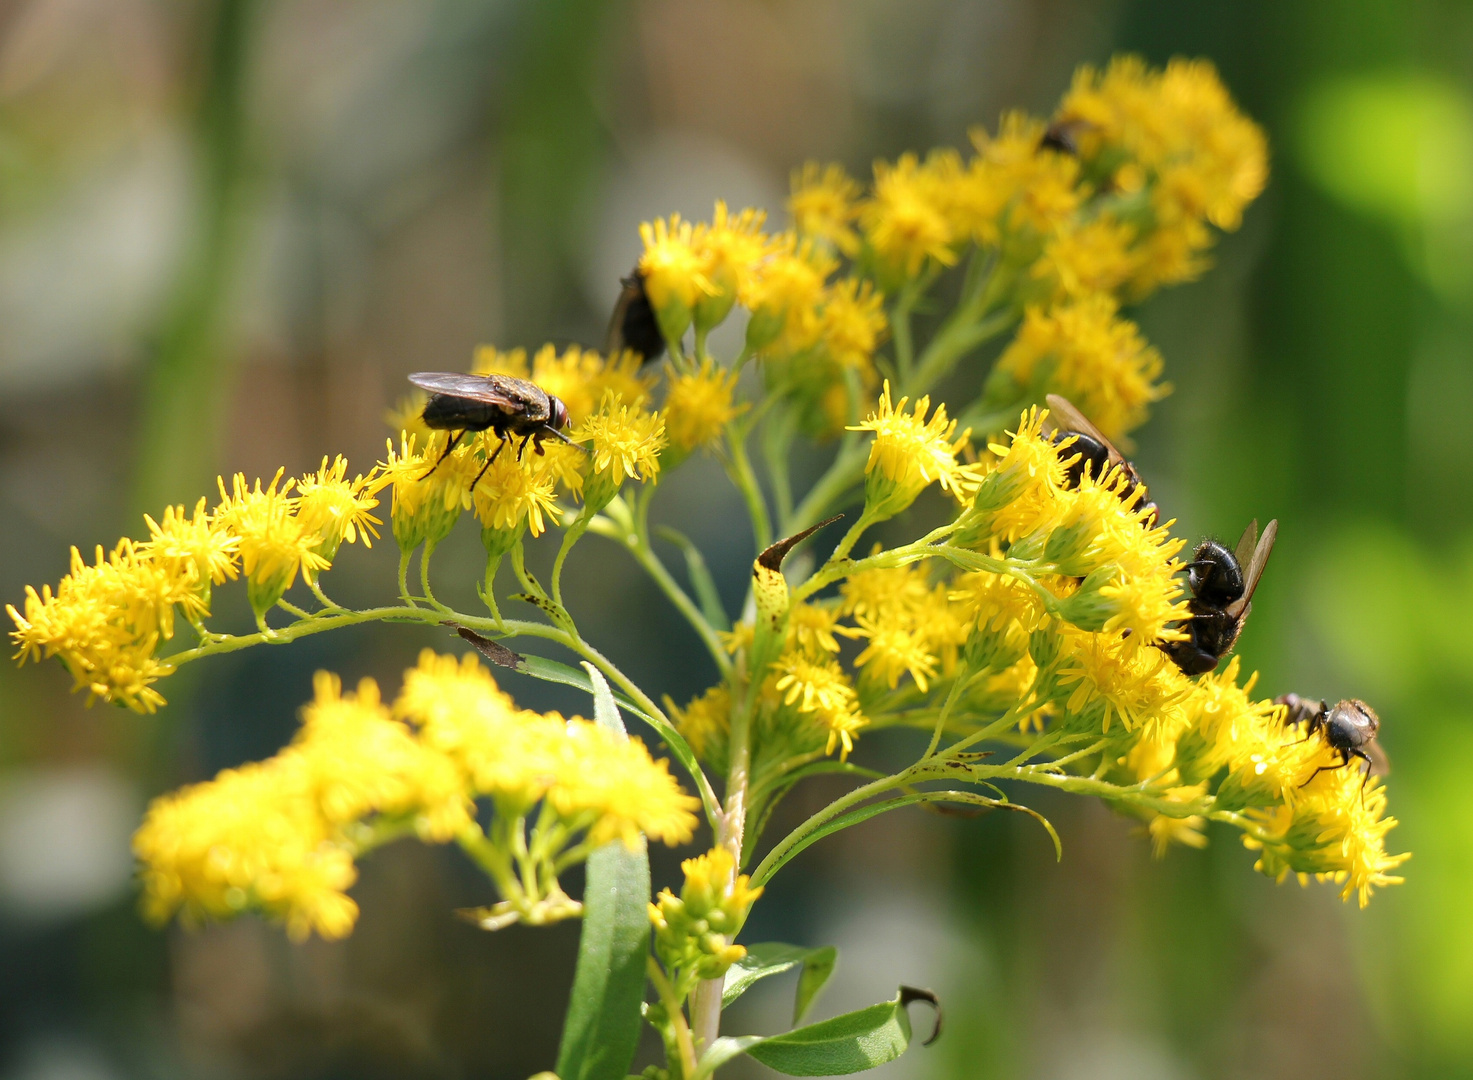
pixel 493 651
pixel 772 558
pixel 909 994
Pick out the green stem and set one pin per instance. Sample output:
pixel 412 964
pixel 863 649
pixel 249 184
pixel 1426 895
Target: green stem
pixel 851 537
pixel 571 536
pixel 846 470
pixel 639 548
pixel 953 341
pixel 322 598
pixel 404 557
pixel 319 623
pixel 739 468
pixel 675 1010
pixel 424 575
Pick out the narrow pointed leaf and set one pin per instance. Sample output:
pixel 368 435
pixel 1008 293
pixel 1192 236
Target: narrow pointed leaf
pixel 602 1027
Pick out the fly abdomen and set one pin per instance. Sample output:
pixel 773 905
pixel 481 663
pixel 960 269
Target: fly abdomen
pixel 445 412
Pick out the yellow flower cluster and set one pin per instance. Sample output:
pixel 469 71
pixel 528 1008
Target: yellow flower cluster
pixel 1086 352
pixel 1161 155
pixel 693 931
pixel 1062 635
pixel 1175 136
pixel 281 836
pixel 821 332
pixel 106 621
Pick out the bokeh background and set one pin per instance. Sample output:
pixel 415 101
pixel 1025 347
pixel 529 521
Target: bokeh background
pixel 228 230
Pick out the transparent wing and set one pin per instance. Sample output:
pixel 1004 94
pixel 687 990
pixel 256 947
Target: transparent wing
pixel 614 335
pixel 513 396
pixel 1261 552
pixel 1380 763
pixel 1063 416
pixel 1247 544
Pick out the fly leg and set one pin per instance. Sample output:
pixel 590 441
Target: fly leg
pixel 448 447
pixel 489 461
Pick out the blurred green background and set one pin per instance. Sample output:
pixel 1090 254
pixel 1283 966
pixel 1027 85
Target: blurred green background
pixel 228 230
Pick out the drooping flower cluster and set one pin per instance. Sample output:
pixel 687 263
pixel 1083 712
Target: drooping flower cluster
pixel 107 621
pixel 280 836
pixel 1056 628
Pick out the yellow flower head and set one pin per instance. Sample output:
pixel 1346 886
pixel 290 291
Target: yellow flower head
pixel 1337 833
pixel 1096 359
pixel 705 721
pixel 251 838
pixel 274 542
pixel 359 761
pixel 909 453
pixel 1083 258
pixel 428 497
pixel 693 930
pixel 699 405
pixel 905 220
pixel 623 442
pixel 852 323
pixel 811 630
pixel 733 246
pixel 197 547
pixel 513 494
pixel 675 271
pixel 1178 130
pixel 821 690
pixel 614 780
pixel 335 508
pixel 823 205
pixel 784 295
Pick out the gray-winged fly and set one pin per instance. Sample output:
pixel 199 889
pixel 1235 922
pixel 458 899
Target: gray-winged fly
pixel 1348 727
pixel 512 408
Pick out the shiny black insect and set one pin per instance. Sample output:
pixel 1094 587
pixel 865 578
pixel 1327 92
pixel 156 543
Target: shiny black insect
pixel 1096 453
pixel 1222 584
pixel 512 408
pixel 1348 727
pixel 633 325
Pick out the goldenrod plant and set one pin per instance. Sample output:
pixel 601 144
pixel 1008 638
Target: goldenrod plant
pixel 1022 635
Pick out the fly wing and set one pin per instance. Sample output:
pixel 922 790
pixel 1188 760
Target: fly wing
pixel 1247 544
pixel 515 397
pixel 1063 416
pixel 614 335
pixel 1265 545
pixel 1380 763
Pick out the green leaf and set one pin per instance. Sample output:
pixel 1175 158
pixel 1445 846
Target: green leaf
pixel 605 711
pixel 700 577
pixel 850 1043
pixel 811 980
pixel 540 667
pixel 602 1027
pixel 774 958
